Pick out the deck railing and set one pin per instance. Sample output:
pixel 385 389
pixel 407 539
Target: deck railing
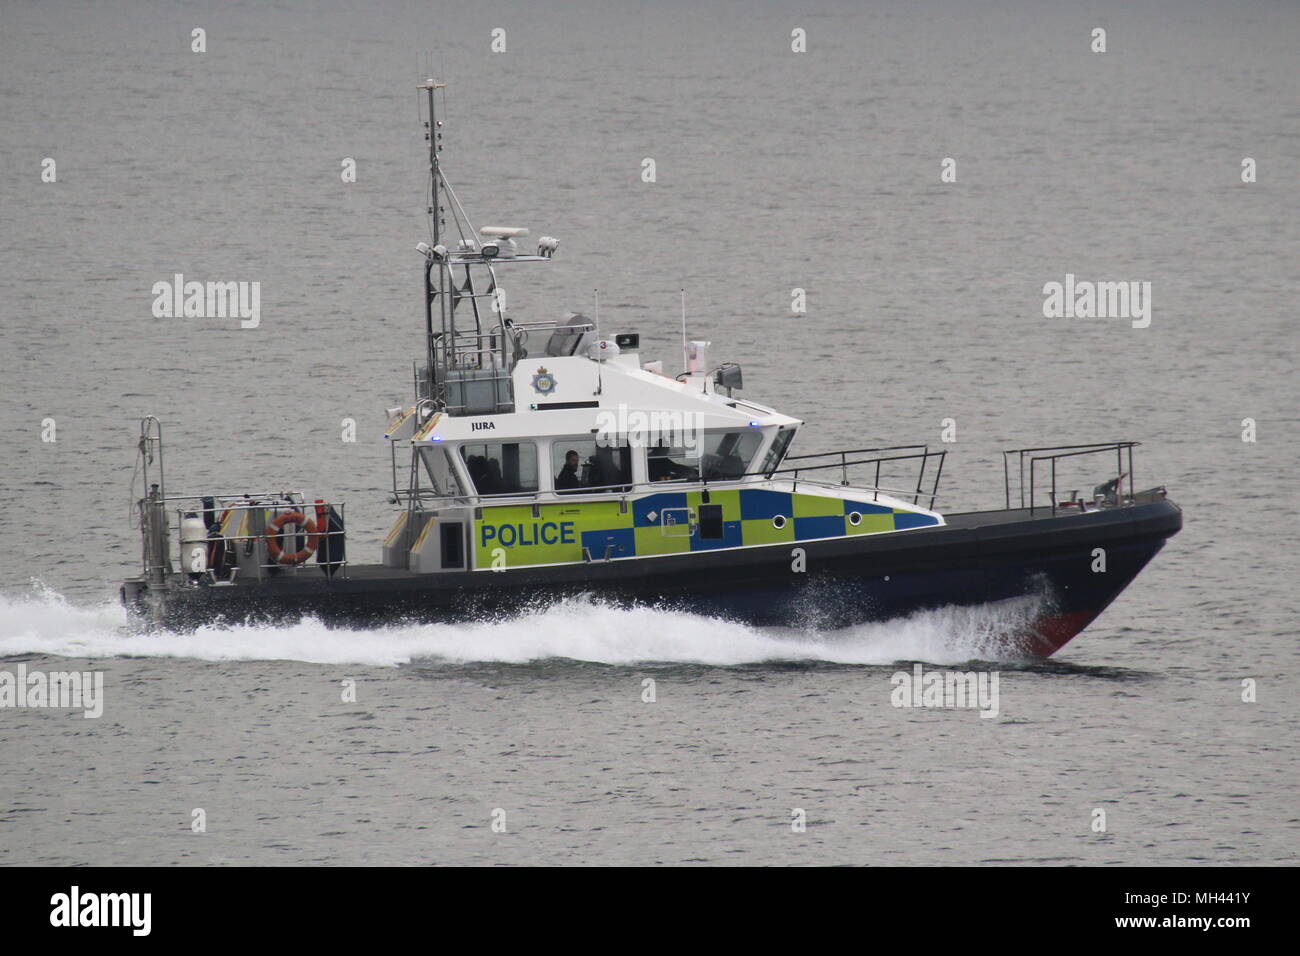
pixel 844 462
pixel 922 457
pixel 1046 459
pixel 152 508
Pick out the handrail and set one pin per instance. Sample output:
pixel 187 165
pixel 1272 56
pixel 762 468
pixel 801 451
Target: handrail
pixel 245 504
pixel 552 325
pixel 1059 452
pixel 283 497
pixel 703 483
pixel 853 451
pixel 844 464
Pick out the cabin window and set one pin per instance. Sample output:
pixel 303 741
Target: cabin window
pixel 729 454
pixel 600 465
pixel 722 455
pixel 772 460
pixel 672 463
pixel 501 468
pixel 442 472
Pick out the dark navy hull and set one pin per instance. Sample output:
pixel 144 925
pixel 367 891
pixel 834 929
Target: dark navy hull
pixel 975 559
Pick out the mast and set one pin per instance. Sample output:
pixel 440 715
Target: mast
pixel 468 364
pixel 433 135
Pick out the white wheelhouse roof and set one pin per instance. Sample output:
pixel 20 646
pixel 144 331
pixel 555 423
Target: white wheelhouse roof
pixel 574 395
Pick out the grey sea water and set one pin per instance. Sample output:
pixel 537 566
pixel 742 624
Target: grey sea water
pixel 775 171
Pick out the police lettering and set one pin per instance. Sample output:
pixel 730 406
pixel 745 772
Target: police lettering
pixel 526 535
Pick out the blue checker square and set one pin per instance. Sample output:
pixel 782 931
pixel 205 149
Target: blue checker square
pixel 642 507
pixel 827 526
pixel 862 508
pixel 761 503
pixel 623 540
pixel 902 521
pixel 732 537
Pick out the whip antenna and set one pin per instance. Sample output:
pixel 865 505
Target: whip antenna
pixel 599 383
pixel 685 354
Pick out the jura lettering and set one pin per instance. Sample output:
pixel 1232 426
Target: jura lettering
pixel 481 426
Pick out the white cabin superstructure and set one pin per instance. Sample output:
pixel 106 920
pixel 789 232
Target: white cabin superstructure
pixel 609 456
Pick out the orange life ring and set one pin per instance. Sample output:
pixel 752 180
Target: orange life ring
pixel 276 531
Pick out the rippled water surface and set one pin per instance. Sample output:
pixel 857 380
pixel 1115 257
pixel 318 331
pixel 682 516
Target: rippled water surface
pixel 775 171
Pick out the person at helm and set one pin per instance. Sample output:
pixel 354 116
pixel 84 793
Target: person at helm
pixel 567 481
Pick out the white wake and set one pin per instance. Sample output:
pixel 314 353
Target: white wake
pixel 44 622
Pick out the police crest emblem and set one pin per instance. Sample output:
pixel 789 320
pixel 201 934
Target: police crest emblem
pixel 544 382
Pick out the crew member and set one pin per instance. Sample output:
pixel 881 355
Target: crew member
pixel 659 465
pixel 567 481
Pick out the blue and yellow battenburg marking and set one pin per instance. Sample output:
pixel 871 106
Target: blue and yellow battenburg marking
pixel 668 523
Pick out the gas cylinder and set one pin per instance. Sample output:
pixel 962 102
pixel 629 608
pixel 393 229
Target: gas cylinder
pixel 194 544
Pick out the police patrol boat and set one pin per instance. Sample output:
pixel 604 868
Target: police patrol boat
pixel 544 459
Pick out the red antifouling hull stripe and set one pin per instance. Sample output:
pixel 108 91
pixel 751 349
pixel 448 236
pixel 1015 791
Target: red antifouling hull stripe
pixel 1051 632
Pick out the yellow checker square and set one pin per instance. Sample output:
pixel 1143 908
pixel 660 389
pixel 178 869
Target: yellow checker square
pixel 591 515
pixel 506 513
pixel 870 524
pixel 762 531
pixel 653 541
pixel 730 501
pixel 817 506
